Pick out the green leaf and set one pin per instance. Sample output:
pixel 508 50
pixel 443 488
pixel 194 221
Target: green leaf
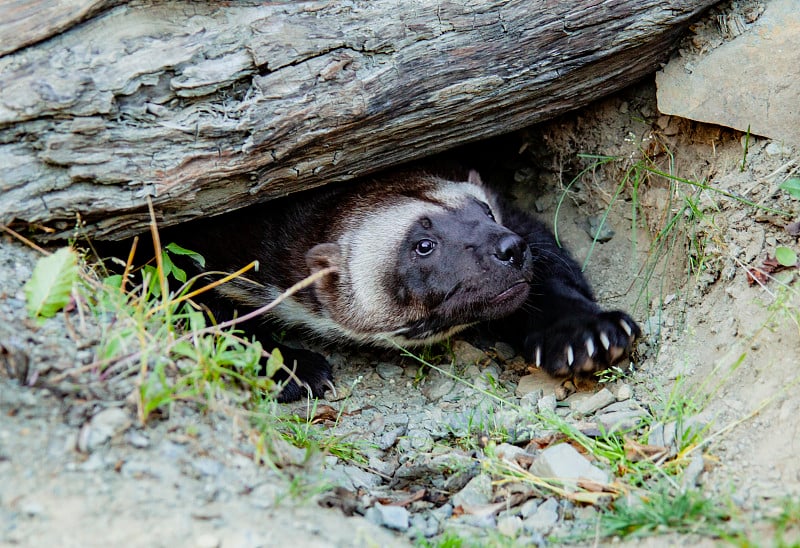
pixel 178 250
pixel 785 256
pixel 792 186
pixel 49 288
pixel 274 362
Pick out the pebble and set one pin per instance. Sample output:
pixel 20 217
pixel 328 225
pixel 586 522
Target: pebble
pixel 529 507
pixel 624 392
pixel 509 525
pixel 547 404
pixel 509 452
pixel 599 230
pixel 529 400
pixel 137 439
pixel 504 351
pixel 562 461
pixel 477 492
pixel 391 517
pixel 543 519
pixel 437 386
pixel 101 428
pixel 466 354
pixel 591 404
pixel 621 420
pixel 527 384
pixel 388 371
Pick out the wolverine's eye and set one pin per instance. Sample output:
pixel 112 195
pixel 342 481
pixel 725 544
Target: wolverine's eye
pixel 425 247
pixel 489 212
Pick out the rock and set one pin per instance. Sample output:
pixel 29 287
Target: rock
pixel 504 351
pixel 526 385
pixel 563 462
pixel 692 473
pixel 389 438
pixel 137 439
pixel 624 392
pixel 529 400
pixel 392 517
pixel 509 452
pixel 437 386
pixel 101 428
pixel 476 493
pixel 351 477
pixel 621 420
pixel 509 525
pixel 529 507
pixel 748 82
pixel 466 354
pixel 598 228
pixel 388 371
pixel 543 519
pixel 596 401
pixel 547 404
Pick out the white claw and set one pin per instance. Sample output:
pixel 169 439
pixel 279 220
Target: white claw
pixel 604 340
pixel 626 327
pixel 590 347
pixel 329 384
pixel 570 355
pixel 308 388
pixel 538 356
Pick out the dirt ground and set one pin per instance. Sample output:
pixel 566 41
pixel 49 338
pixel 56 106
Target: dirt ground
pixel 69 478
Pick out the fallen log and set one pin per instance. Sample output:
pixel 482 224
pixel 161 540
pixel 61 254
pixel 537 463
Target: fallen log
pixel 207 106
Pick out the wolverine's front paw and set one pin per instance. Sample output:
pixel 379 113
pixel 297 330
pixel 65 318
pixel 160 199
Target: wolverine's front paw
pixel 304 374
pixel 582 345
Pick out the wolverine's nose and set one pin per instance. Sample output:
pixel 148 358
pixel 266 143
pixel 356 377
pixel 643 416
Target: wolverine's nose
pixel 511 250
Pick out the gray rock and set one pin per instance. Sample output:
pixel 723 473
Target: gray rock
pixel 543 519
pixel 527 384
pixel 509 452
pixel 437 386
pixel 476 493
pixel 466 354
pixel 504 351
pixel 748 82
pixel 598 229
pixel 562 461
pixel 529 400
pixel 624 392
pixel 692 473
pixel 621 420
pixel 137 439
pixel 388 371
pixel 596 401
pixel 351 477
pixel 101 428
pixel 509 525
pixel 389 438
pixel 417 440
pixel 627 405
pixel 529 507
pixel 547 404
pixel 392 517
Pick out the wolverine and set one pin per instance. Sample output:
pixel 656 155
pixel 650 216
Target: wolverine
pixel 411 258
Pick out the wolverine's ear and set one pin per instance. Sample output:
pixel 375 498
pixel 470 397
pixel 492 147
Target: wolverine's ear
pixel 322 256
pixel 474 178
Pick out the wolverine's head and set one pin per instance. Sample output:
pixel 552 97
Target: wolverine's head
pixel 425 260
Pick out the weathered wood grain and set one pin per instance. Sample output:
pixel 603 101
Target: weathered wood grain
pixel 210 106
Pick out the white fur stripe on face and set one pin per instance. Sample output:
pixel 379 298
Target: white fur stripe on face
pixel 372 247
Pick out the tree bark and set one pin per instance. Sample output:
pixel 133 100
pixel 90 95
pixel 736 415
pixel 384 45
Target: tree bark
pixel 210 106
